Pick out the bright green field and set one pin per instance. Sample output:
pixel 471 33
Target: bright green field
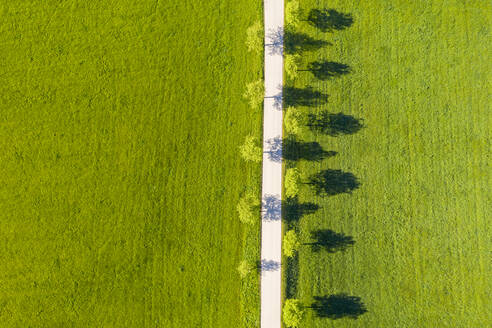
pixel 119 132
pixel 420 219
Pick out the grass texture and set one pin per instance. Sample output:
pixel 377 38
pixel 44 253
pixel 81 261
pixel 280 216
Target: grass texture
pixel 399 237
pixel 119 133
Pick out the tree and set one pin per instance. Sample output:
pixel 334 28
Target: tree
pixel 290 243
pixel 292 313
pixel 292 121
pixel 250 150
pixel 254 37
pixel 292 179
pixel 292 12
pixel 246 208
pixel 254 93
pixel 292 63
pixel 244 268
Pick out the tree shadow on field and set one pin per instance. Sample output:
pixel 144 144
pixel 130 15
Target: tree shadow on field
pixel 303 97
pixel 293 210
pixel 330 241
pixel 328 20
pixel 291 42
pixel 296 42
pixel 338 306
pixel 291 276
pixel 334 124
pixel 293 150
pixel 324 70
pixel 333 182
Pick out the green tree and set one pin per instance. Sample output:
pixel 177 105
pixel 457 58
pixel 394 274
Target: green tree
pixel 292 12
pixel 244 268
pixel 292 313
pixel 292 121
pixel 247 207
pixel 254 37
pixel 291 65
pixel 292 179
pixel 254 93
pixel 251 150
pixel 290 243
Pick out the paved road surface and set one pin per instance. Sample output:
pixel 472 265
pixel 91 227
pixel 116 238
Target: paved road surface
pixel 271 230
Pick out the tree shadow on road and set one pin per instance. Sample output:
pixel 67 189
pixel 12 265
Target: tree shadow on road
pixel 268 266
pixel 271 208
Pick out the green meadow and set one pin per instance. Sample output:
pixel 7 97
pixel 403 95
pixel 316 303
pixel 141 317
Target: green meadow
pixel 119 132
pixel 393 153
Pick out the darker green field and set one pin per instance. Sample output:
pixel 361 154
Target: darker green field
pixel 394 157
pixel 119 131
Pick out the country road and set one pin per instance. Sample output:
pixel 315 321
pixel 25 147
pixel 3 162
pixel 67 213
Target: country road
pixel 271 230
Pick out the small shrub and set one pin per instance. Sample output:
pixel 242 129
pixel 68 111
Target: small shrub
pixel 292 63
pixel 292 121
pixel 254 93
pixel 292 179
pixel 250 150
pixel 244 268
pixel 292 313
pixel 290 243
pixel 254 37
